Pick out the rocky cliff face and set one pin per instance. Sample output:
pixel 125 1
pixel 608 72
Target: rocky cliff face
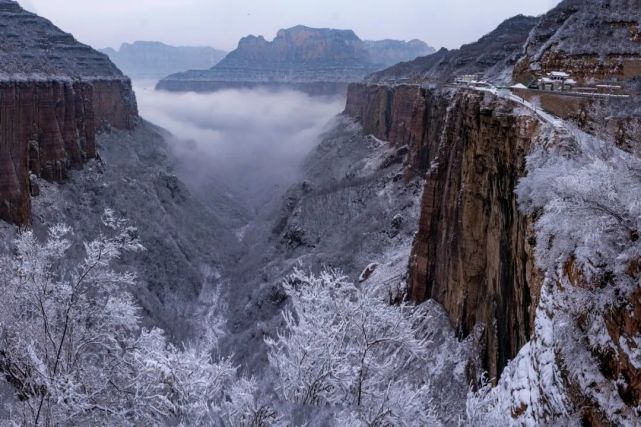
pixel 472 252
pixel 491 57
pixel 154 60
pixel 594 40
pixel 308 59
pixel 54 94
pixel 560 338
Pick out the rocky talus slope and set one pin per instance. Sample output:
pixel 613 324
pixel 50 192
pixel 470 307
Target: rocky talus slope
pixel 147 60
pixel 316 61
pixel 54 94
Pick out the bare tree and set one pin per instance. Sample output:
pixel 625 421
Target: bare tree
pixel 74 351
pixel 346 347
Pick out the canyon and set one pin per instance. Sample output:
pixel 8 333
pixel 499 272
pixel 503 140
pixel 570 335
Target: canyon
pixel 312 60
pixel 422 190
pixel 72 145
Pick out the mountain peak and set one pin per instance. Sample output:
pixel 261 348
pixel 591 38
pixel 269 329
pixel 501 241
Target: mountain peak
pixel 300 30
pixel 315 60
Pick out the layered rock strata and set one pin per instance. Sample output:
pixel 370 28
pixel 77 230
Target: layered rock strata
pixel 595 40
pixel 54 95
pixel 473 251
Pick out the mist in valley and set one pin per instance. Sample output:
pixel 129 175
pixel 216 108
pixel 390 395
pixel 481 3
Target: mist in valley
pixel 455 245
pixel 247 144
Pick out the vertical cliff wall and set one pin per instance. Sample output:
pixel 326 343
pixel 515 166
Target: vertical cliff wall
pixel 473 251
pixel 48 128
pixel 54 93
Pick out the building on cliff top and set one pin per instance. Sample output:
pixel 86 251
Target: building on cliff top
pixel 557 81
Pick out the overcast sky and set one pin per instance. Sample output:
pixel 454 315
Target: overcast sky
pixel 221 23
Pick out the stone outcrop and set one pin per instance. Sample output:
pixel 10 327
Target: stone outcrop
pixel 572 360
pixel 309 59
pixel 155 60
pixel 491 58
pixel 473 251
pixel 594 40
pixel 54 94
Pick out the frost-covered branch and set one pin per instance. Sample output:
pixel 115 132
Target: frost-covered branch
pixel 75 353
pixel 345 347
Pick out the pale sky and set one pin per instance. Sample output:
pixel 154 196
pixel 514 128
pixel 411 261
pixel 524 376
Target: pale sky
pixel 221 23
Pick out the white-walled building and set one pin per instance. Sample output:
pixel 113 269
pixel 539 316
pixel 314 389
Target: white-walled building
pixel 557 81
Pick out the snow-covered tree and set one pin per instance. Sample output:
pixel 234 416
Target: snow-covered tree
pixel 588 206
pixel 346 348
pixel 72 348
pixel 585 196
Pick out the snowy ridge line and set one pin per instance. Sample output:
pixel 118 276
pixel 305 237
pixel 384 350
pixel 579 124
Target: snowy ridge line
pixel 542 114
pixel 41 77
pixel 355 182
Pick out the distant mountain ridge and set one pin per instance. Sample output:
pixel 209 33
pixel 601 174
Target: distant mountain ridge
pixel 492 57
pixel 155 60
pixel 316 60
pixel 55 94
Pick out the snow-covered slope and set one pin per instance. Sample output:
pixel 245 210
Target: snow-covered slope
pixel 34 49
pixel 188 247
pixel 595 40
pixel 491 57
pixel 353 210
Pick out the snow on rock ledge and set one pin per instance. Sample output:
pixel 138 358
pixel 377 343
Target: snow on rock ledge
pixel 54 94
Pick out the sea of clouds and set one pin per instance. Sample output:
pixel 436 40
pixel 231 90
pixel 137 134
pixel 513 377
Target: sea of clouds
pixel 250 142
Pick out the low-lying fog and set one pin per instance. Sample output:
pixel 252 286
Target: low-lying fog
pixel 250 141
